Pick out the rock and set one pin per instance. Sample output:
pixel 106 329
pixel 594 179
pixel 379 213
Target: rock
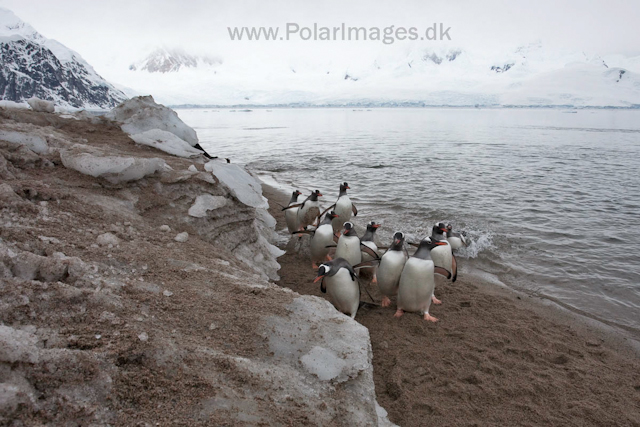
pixel 167 293
pixel 181 237
pixel 17 346
pixel 41 105
pixel 107 239
pixel 143 337
pixel 165 228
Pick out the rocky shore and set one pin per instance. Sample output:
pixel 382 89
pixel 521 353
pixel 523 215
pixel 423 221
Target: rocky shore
pixel 136 289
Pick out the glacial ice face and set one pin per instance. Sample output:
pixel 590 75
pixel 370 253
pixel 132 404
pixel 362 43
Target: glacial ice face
pixel 35 143
pixel 167 142
pixel 243 186
pixel 140 114
pixel 114 169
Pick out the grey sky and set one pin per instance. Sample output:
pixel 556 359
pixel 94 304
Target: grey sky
pixel 110 34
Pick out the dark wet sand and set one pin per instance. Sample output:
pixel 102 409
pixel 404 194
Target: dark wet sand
pixel 496 357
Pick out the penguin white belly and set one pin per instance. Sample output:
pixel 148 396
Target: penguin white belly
pixel 291 217
pixel 455 242
pixel 416 286
pixel 308 213
pixel 443 257
pixel 321 239
pixel 389 272
pixel 343 292
pixel 343 210
pixel 349 249
pixel 365 256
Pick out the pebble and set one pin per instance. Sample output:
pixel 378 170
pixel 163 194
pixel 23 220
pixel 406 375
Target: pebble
pixel 107 239
pixel 143 337
pixel 182 237
pixel 167 293
pixel 165 227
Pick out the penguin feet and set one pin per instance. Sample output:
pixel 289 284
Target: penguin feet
pixel 400 312
pixel 386 302
pixel 328 257
pixel 435 300
pixel 375 280
pixel 428 317
pixel 314 266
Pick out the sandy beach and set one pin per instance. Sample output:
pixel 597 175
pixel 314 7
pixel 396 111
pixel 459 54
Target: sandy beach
pixel 496 356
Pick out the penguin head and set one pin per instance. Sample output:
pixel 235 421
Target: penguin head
pixel 429 243
pixel 372 226
pixel 449 228
pixel 314 195
pixel 322 271
pixel 344 186
pixel 332 214
pixel 297 192
pixel 439 228
pixel 398 241
pixel 348 229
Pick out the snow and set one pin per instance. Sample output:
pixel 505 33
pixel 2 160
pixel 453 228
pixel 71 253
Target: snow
pixel 167 142
pixel 17 346
pixel 114 169
pixel 33 142
pixel 323 363
pixel 140 114
pixel 41 105
pixel 14 105
pixel 243 186
pixel 204 203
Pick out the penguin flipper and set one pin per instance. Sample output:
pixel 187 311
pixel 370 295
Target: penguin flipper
pixel 454 267
pixel 330 246
pixel 297 205
pixel 336 238
pixel 354 210
pixel 323 287
pixel 443 272
pixel 369 251
pixel 311 232
pixel 414 244
pixel 361 284
pixel 367 263
pixel 327 210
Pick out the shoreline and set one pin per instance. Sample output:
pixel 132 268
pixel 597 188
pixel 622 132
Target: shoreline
pixel 496 355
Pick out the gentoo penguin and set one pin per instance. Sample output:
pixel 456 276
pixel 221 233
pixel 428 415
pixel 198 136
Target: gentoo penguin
pixel 323 237
pixel 443 257
pixel 343 207
pixel 456 240
pixel 291 214
pixel 349 245
pixel 390 268
pixel 309 210
pixel 368 241
pixel 340 282
pixel 438 230
pixel 417 283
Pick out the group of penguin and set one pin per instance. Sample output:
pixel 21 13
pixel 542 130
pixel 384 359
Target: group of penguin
pixel 411 278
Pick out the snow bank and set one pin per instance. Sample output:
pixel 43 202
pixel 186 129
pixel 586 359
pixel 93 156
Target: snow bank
pixel 41 105
pixel 140 114
pixel 114 169
pixel 35 143
pixel 167 142
pixel 243 186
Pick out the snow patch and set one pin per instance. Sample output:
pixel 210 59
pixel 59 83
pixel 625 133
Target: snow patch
pixel 35 143
pixel 114 169
pixel 167 142
pixel 41 105
pixel 243 186
pixel 204 203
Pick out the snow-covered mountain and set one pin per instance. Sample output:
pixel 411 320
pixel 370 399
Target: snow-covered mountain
pixel 164 60
pixel 530 75
pixel 33 65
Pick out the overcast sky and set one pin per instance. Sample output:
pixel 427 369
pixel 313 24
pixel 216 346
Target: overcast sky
pixel 110 34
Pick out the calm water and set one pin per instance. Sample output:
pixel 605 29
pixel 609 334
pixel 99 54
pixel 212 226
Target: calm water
pixel 550 199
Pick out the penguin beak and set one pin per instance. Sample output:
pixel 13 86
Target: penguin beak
pixel 345 231
pixel 319 194
pixel 440 243
pixel 318 278
pixel 376 225
pixel 348 188
pixel 396 242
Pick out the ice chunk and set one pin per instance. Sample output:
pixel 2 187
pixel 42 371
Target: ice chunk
pixel 140 114
pixel 204 203
pixel 112 168
pixel 243 186
pixel 167 142
pixel 41 105
pixel 35 143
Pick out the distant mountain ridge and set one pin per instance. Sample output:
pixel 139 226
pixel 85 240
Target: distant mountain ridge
pixel 33 65
pixel 164 60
